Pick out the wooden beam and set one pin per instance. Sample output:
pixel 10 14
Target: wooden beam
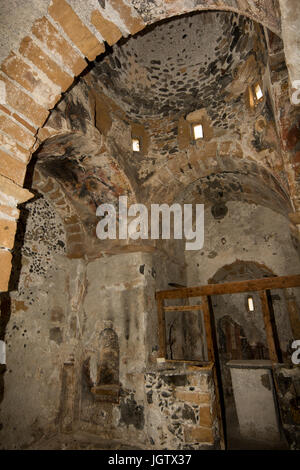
pixel 161 328
pixel 232 287
pixel 182 308
pixel 218 408
pixel 268 326
pixel 207 324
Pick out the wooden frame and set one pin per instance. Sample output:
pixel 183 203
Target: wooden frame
pixel 258 285
pixel 231 287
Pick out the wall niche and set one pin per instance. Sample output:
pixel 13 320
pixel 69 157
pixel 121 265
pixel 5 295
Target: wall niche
pixel 107 386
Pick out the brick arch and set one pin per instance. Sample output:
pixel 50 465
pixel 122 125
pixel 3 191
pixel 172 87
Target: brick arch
pixel 241 269
pixel 75 233
pixel 181 174
pixel 75 188
pixel 35 74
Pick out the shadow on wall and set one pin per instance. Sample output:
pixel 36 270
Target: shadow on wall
pixel 5 307
pixel 21 230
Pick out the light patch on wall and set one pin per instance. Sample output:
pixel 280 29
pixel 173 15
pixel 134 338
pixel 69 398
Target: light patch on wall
pixel 250 303
pixel 197 131
pixel 258 91
pixel 2 92
pixel 135 145
pixel 2 352
pixel 255 95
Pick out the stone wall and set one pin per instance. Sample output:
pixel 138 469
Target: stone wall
pixel 77 316
pixel 43 52
pixel 287 387
pixel 181 410
pixel 256 247
pixel 37 329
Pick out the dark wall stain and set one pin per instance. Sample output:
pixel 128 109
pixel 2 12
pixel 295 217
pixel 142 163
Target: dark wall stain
pixel 132 413
pixel 175 380
pixel 56 335
pixel 149 397
pixel 265 380
pixel 188 413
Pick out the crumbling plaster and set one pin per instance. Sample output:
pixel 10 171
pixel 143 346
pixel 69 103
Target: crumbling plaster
pixel 117 293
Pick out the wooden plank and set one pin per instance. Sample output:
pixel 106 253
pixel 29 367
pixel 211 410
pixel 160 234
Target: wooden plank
pixel 268 326
pixel 182 308
pixel 207 324
pixel 161 328
pixel 279 282
pixel 217 406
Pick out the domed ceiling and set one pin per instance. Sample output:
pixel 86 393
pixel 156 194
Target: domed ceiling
pixel 179 65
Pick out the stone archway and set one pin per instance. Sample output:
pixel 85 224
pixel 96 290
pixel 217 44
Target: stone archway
pixel 43 65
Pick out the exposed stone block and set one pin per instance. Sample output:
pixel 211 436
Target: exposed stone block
pixel 11 146
pixel 11 212
pixel 57 194
pixel 47 186
pixel 73 219
pixel 17 132
pixel 23 103
pixel 198 434
pixel 201 381
pixel 75 237
pixel 224 148
pixel 205 416
pixel 46 132
pixel 76 228
pixel 60 202
pixel 12 168
pixel 210 149
pixel 5 262
pixel 76 251
pixel 34 53
pixel 53 40
pixel 108 30
pixel 7 233
pixel 193 397
pixel 11 194
pixel 18 118
pixel 133 23
pixel 81 36
pixel 31 80
pixel 184 134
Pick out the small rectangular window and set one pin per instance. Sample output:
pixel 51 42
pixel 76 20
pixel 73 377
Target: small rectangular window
pixel 258 92
pixel 136 145
pixel 198 131
pixel 250 304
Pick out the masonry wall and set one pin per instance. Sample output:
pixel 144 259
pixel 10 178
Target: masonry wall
pixel 251 242
pixel 36 328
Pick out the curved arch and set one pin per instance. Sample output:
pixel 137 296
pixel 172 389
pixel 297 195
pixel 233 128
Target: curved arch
pixel 269 17
pixel 34 75
pixel 75 233
pixel 71 173
pixel 189 180
pixel 240 270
